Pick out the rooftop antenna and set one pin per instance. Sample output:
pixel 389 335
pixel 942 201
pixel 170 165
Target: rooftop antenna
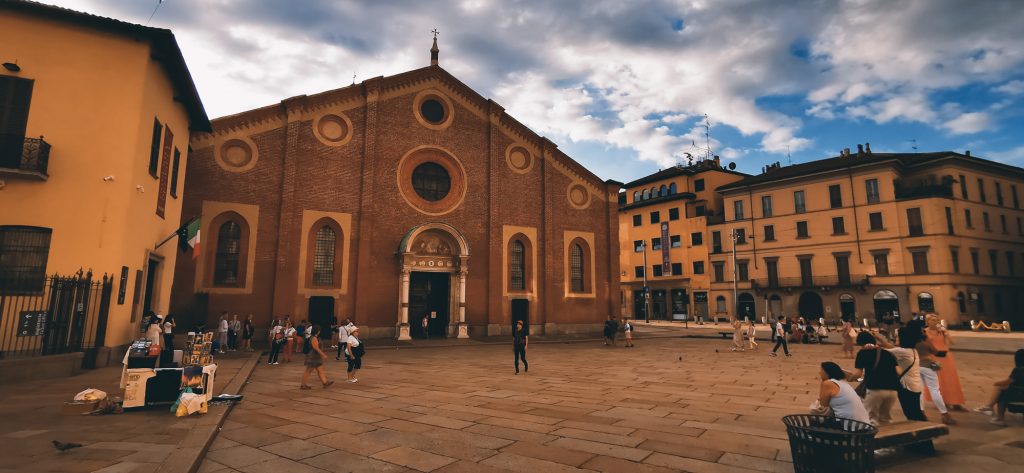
pixel 789 159
pixel 158 3
pixel 707 136
pixel 353 79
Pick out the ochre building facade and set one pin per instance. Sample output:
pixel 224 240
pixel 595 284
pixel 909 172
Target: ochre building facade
pixel 392 201
pixel 866 234
pixel 95 117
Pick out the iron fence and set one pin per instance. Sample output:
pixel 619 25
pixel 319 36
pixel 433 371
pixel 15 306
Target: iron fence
pixel 68 314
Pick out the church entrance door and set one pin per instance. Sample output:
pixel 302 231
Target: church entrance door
pixel 429 304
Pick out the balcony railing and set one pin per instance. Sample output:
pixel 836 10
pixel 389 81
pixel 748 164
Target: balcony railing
pixel 24 156
pixel 830 281
pixel 923 190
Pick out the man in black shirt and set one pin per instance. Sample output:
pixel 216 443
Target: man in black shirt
pixel 878 368
pixel 520 339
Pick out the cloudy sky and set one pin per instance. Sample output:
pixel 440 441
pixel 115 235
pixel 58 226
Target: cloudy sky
pixel 623 86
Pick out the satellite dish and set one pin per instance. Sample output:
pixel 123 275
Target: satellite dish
pixel 732 166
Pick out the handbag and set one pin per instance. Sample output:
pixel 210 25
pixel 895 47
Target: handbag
pixel 862 387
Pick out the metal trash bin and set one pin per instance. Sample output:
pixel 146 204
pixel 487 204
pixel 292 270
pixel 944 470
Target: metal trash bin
pixel 832 444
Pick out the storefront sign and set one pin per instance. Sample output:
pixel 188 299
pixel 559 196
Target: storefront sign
pixel 165 168
pixel 666 263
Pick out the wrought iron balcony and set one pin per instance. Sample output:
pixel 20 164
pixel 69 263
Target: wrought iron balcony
pixel 925 188
pixel 816 282
pixel 21 156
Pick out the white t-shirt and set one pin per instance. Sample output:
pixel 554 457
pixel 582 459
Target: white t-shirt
pixel 907 359
pixel 276 330
pixel 780 329
pixel 223 326
pixel 167 327
pixel 628 327
pixel 352 342
pixel 289 332
pixel 344 330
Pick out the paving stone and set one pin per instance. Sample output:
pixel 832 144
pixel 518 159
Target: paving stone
pixel 412 458
pixel 240 456
pixel 281 465
pixel 690 464
pixel 351 443
pixel 597 448
pixel 601 437
pixel 463 466
pixel 617 465
pixel 549 453
pixel 755 463
pixel 512 462
pixel 210 466
pixel 296 449
pixel 254 437
pixel 441 421
pixel 344 462
pixel 510 434
pixel 300 431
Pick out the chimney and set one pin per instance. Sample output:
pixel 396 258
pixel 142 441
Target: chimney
pixel 860 150
pixel 718 161
pixel 867 148
pixel 967 153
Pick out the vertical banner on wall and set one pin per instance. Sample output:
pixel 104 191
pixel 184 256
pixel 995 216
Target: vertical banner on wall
pixel 666 263
pixel 165 168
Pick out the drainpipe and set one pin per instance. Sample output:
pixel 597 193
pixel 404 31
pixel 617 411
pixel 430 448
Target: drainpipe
pixel 856 222
pixel 753 221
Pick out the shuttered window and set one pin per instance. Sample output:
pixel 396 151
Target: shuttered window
pixel 15 97
pixel 323 257
pixel 154 148
pixel 23 254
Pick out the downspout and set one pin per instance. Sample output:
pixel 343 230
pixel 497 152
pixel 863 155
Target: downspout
pixel 753 220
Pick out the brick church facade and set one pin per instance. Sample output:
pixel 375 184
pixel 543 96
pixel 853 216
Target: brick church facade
pixel 392 201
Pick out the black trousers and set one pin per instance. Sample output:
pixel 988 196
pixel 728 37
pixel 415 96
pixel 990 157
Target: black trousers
pixel 781 342
pixel 521 355
pixel 275 349
pixel 354 362
pixel 232 339
pixel 911 404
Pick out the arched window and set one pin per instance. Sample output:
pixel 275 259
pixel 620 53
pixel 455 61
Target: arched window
pixel 636 196
pixel 720 304
pixel 647 194
pixel 925 302
pixel 576 275
pixel 517 266
pixel 323 257
pixel 663 191
pixel 654 192
pixel 672 189
pixel 226 260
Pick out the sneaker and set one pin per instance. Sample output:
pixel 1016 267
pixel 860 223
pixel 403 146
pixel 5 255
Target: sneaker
pixel 788 354
pixel 984 410
pixel 353 380
pixel 277 362
pixel 997 421
pixel 773 355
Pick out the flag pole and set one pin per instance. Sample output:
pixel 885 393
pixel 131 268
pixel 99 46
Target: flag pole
pixel 175 233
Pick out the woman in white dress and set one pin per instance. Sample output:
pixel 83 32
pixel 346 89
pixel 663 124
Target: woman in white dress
pixel 154 332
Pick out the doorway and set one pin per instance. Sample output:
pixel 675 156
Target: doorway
pixel 774 307
pixel 521 311
pixel 847 308
pixel 810 306
pixel 658 304
pixel 886 302
pixel 429 301
pixel 321 312
pixel 747 308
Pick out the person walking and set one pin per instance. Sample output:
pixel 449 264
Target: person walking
pixel 837 394
pixel 848 334
pixel 752 334
pixel 780 337
pixel 737 334
pixel 909 363
pixel 343 333
pixel 354 349
pixel 520 340
pixel 949 379
pixel 248 330
pixel 168 327
pixel 877 367
pixel 277 342
pixel 930 377
pixel 334 332
pixel 222 331
pixel 289 341
pixel 300 337
pixel 627 328
pixel 611 326
pixel 314 361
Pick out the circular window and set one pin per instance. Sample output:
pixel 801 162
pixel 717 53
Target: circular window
pixel 236 155
pixel 431 181
pixel 432 111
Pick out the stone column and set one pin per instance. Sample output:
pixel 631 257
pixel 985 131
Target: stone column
pixel 403 325
pixel 463 328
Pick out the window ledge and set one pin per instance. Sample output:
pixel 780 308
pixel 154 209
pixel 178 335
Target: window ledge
pixel 876 229
pixel 802 237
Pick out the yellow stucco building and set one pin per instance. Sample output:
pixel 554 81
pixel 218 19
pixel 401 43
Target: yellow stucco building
pixel 95 116
pixel 865 234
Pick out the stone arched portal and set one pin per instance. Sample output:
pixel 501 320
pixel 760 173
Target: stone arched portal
pixel 433 248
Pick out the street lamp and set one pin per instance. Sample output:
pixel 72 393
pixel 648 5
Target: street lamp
pixel 735 274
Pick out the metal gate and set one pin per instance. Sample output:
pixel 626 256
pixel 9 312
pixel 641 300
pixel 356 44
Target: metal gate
pixel 69 314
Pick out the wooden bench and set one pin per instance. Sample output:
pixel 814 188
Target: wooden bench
pixel 1015 407
pixel 915 435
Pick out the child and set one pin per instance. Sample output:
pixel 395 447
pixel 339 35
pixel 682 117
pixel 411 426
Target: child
pixel 628 329
pixel 751 332
pixel 1008 390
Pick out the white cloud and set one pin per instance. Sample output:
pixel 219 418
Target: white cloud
pixel 1014 156
pixel 1014 87
pixel 971 122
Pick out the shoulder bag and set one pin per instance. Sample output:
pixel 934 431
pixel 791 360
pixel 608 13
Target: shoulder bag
pixel 862 388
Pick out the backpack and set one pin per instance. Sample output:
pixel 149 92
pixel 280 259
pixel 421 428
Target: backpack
pixel 359 350
pixel 307 347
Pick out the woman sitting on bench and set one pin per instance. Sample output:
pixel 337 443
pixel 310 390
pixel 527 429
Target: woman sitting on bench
pixel 1008 390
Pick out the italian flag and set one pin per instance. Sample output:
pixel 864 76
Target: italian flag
pixel 189 235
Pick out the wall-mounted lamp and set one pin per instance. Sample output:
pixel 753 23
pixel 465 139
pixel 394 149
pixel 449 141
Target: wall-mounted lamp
pixel 12 66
